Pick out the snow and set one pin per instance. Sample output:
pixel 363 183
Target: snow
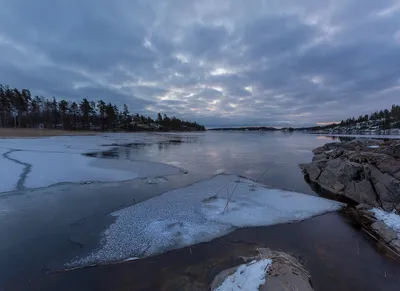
pixel 54 160
pixel 196 213
pixel 247 277
pixel 391 219
pixel 373 146
pixel 9 172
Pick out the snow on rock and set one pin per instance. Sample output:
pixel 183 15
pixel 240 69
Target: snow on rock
pixel 373 146
pixel 52 168
pixel 391 219
pixel 198 213
pixel 10 172
pixel 247 277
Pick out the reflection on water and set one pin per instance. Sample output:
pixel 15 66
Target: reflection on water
pixel 272 158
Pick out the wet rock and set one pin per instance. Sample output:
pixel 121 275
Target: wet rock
pixel 387 234
pixel 365 171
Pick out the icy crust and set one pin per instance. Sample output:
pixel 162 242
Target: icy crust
pixel 41 162
pixel 200 213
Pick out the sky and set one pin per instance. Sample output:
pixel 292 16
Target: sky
pixel 221 63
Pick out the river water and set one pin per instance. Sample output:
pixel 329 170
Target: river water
pixel 338 255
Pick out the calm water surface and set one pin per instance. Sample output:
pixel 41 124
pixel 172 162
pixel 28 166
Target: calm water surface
pixel 272 158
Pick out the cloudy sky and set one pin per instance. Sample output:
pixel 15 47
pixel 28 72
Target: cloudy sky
pixel 220 62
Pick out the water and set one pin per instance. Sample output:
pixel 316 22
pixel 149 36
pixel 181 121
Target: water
pixel 61 222
pixel 271 158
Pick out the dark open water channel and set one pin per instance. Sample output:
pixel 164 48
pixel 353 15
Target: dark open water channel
pixel 337 254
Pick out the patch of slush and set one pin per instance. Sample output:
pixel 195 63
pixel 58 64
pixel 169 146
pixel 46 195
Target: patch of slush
pixel 247 277
pixel 391 219
pixel 10 173
pixel 52 168
pixel 197 213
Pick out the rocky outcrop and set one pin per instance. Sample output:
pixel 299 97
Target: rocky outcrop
pixel 363 170
pixel 284 273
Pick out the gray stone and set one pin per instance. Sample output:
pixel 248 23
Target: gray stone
pixel 386 187
pixel 313 170
pixel 384 232
pixel 358 172
pixel 319 157
pixel 337 174
pixel 361 192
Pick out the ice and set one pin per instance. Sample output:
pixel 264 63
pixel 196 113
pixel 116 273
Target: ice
pixel 373 146
pixel 247 277
pixel 10 172
pixel 391 219
pixel 198 213
pixel 52 168
pixel 41 162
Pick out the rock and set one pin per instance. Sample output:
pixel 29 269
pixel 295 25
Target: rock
pixel 384 232
pixel 355 170
pixel 361 192
pixel 313 170
pixel 337 174
pixel 319 157
pixel 285 273
pixel 363 207
pixel 386 187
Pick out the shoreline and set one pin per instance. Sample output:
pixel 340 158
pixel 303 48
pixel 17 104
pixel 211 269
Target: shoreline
pixel 36 132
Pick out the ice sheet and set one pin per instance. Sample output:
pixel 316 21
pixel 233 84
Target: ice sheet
pixel 247 277
pixel 53 160
pixel 10 172
pixel 197 213
pixel 52 168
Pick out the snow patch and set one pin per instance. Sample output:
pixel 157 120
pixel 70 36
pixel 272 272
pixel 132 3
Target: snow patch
pixel 391 219
pixel 247 277
pixel 198 213
pixel 373 146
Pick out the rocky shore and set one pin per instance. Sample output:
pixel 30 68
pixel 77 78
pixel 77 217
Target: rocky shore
pixel 365 172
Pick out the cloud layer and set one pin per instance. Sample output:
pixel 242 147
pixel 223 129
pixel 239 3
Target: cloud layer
pixel 225 62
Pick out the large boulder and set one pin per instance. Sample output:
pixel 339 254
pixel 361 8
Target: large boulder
pixel 365 171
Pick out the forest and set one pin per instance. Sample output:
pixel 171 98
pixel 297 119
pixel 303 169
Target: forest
pixel 18 108
pixel 386 119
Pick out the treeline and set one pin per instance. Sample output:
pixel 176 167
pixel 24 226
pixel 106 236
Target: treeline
pixel 19 109
pixel 386 118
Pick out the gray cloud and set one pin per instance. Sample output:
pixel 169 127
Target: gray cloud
pixel 219 62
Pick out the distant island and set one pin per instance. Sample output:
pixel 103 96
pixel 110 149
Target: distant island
pixel 18 109
pixel 380 122
pixel 246 128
